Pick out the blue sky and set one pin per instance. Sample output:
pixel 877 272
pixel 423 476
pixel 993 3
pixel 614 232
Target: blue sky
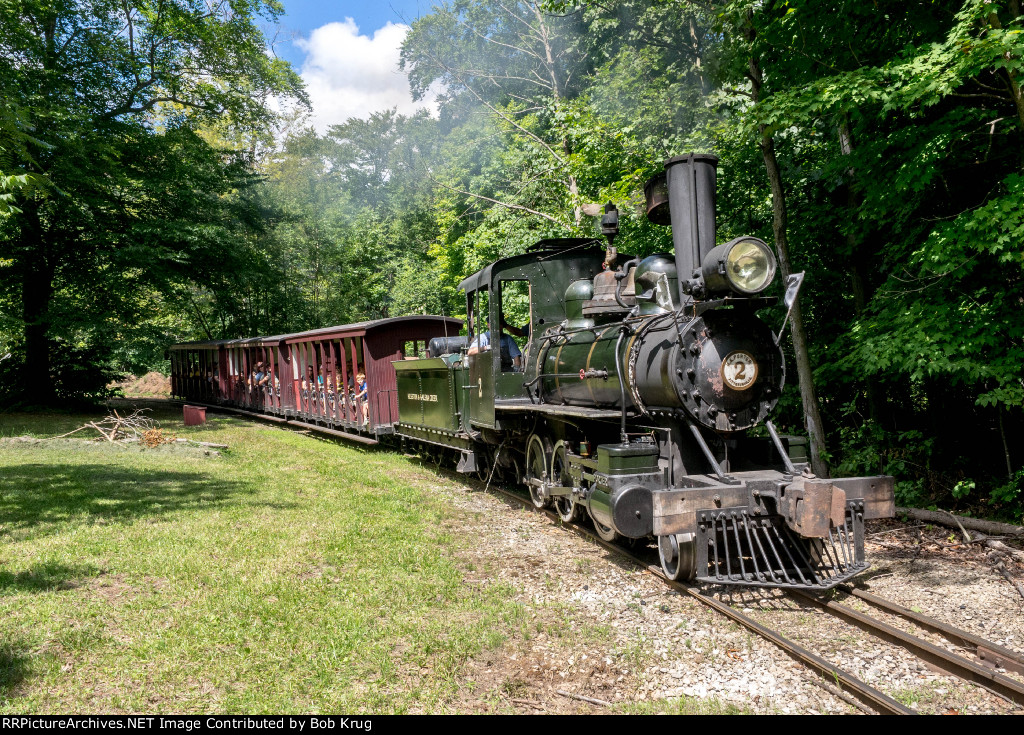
pixel 347 52
pixel 302 16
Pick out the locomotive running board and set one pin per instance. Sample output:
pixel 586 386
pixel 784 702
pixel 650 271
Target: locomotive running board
pixel 736 547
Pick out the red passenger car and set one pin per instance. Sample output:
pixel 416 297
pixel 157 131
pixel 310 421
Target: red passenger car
pixel 338 379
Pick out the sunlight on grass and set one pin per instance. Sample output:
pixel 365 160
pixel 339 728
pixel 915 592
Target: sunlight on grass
pixel 288 574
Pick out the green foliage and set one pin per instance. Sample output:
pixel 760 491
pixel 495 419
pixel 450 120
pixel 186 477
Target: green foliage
pixel 1009 498
pixel 141 206
pixel 111 198
pixel 963 488
pixel 900 155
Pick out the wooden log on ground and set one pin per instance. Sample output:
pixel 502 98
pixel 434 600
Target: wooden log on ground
pixel 1002 548
pixel 946 518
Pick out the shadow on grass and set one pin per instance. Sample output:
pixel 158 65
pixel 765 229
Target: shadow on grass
pixel 14 666
pixel 45 578
pixel 36 494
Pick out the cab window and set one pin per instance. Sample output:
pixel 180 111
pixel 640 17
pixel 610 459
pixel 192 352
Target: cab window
pixel 515 324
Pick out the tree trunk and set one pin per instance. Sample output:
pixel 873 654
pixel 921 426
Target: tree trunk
pixel 812 412
pixel 1012 82
pixel 696 47
pixel 1006 445
pixel 805 376
pixel 557 92
pixel 36 292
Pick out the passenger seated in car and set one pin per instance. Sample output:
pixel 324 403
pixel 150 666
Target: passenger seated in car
pixel 257 375
pixel 511 355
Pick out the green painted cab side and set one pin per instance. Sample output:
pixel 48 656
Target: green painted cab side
pixel 460 374
pixel 481 388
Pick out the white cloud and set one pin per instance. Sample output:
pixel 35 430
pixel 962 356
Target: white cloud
pixel 351 75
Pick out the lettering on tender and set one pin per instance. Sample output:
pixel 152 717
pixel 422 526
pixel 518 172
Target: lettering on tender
pixel 428 397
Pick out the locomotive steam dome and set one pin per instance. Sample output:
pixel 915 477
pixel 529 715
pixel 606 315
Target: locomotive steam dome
pixel 647 277
pixel 578 293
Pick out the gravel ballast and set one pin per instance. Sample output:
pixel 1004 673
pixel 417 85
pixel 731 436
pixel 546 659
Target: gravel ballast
pixel 600 628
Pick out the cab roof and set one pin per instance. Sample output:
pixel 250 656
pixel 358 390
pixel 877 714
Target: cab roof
pixel 537 251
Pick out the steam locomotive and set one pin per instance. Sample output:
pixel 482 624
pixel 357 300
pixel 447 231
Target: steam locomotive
pixel 627 399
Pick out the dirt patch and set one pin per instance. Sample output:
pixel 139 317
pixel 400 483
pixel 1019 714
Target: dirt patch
pixel 148 386
pixel 111 588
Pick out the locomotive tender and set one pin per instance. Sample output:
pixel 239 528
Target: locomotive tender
pixel 631 400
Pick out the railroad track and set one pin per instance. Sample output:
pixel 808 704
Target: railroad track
pixel 838 681
pixel 962 667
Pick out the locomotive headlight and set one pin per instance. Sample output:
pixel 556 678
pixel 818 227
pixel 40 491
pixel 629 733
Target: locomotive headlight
pixel 744 265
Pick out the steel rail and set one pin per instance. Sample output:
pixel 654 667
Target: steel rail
pixel 952 663
pixel 991 653
pixel 873 698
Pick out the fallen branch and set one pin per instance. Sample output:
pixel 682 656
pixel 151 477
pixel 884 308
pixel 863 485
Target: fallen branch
pixel 101 431
pixel 887 545
pixel 946 518
pixel 1001 568
pixel 116 427
pixel 590 700
pixel 1002 548
pixel 891 530
pixel 530 703
pixel 80 428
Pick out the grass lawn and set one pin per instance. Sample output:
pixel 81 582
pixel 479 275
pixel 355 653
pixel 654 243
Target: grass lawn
pixel 288 574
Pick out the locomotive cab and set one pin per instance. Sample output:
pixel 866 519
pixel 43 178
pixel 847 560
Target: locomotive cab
pixel 511 305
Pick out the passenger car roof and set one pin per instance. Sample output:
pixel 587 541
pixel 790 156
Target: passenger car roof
pixel 341 330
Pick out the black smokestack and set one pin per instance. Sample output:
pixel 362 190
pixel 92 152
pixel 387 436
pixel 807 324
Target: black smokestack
pixel 691 200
